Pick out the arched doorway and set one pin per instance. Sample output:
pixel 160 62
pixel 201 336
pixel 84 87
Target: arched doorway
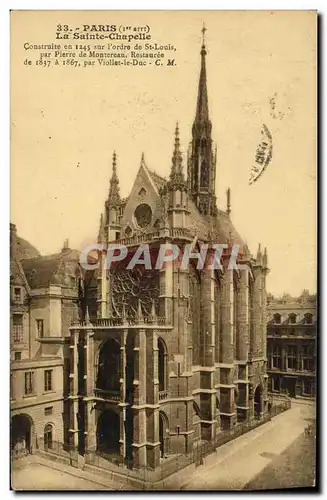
pixel 162 365
pixel 109 366
pixel 257 401
pixel 163 427
pixel 48 436
pixel 108 432
pixel 21 435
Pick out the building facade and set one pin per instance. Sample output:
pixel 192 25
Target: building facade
pixel 291 337
pixel 162 359
pixel 44 301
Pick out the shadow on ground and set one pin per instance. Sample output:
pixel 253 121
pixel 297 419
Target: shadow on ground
pixel 294 468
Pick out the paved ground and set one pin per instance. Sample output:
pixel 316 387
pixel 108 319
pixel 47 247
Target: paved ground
pixel 237 463
pixel 275 455
pixel 35 476
pixel 294 468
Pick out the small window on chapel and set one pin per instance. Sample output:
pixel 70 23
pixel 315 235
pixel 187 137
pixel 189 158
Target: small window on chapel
pixel 17 294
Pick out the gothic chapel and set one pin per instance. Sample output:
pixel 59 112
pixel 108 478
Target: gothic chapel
pixel 163 359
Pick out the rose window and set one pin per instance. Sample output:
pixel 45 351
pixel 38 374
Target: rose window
pixel 143 215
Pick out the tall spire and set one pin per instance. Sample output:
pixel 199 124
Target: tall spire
pixel 201 169
pixel 265 258
pixel 143 160
pixel 101 234
pixel 176 174
pixel 114 192
pixel 202 109
pixel 259 256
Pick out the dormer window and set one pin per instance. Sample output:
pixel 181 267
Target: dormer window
pixel 308 319
pixel 277 319
pixel 17 294
pixel 292 319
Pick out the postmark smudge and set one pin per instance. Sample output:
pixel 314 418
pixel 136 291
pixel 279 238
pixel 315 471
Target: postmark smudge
pixel 263 155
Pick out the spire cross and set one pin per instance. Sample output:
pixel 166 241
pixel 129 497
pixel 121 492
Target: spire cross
pixel 114 195
pixel 204 29
pixel 114 160
pixel 177 134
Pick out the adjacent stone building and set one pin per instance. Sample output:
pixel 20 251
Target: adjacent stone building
pixel 162 359
pixel 44 301
pixel 292 335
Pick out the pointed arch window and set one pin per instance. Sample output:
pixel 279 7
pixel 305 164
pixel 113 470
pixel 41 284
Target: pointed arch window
pixel 108 377
pixel 162 365
pixel 195 310
pixel 204 178
pixel 236 339
pixel 218 317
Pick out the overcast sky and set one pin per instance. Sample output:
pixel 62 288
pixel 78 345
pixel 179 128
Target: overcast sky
pixel 67 122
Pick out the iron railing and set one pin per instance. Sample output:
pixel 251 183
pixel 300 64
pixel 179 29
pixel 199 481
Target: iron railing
pixel 114 322
pixel 19 453
pixel 108 395
pixel 170 464
pixel 178 461
pixel 55 447
pixel 163 395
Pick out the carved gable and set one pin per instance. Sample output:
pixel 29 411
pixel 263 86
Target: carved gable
pixel 143 207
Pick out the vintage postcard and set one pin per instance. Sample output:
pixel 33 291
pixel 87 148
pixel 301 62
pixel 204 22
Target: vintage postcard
pixel 163 260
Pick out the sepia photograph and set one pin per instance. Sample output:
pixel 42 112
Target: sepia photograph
pixel 163 250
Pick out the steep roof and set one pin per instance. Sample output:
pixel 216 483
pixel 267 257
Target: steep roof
pixel 25 250
pixel 60 269
pixel 159 181
pixel 226 230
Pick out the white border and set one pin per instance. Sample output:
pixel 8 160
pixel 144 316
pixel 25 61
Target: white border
pixel 5 6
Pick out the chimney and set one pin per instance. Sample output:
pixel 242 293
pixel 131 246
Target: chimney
pixel 228 202
pixel 65 248
pixel 13 240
